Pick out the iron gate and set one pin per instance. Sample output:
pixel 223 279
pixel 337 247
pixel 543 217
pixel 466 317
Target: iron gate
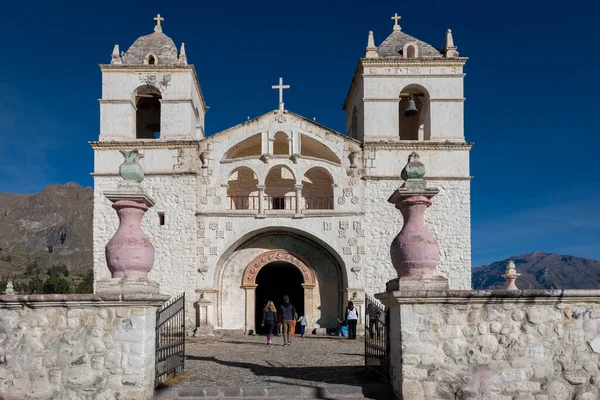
pixel 377 338
pixel 170 338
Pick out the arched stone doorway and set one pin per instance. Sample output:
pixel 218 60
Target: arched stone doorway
pixel 234 289
pixel 287 267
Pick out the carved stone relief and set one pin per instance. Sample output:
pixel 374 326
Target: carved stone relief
pixel 255 265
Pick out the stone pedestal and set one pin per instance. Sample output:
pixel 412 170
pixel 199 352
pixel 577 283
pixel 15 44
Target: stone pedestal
pixel 417 283
pixel 205 317
pixel 126 285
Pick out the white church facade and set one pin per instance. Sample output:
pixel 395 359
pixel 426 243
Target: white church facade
pixel 280 204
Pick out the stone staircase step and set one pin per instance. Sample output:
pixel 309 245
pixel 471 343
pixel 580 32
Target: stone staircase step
pixel 375 391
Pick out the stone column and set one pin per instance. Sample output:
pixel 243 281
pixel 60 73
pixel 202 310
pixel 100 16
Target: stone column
pixel 261 201
pixel 298 189
pixel 309 311
pixel 250 327
pixel 415 251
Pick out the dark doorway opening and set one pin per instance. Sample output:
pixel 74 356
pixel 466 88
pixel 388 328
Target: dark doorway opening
pixel 274 281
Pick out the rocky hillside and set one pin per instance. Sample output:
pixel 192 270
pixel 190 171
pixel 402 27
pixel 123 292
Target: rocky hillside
pixel 51 227
pixel 542 271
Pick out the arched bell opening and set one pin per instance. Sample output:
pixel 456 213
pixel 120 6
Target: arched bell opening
pixel 413 113
pixel 147 115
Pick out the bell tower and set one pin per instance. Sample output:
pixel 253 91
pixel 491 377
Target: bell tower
pixel 407 97
pixel 150 92
pixel 406 90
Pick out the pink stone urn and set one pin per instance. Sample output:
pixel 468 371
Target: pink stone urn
pixel 415 251
pixel 129 254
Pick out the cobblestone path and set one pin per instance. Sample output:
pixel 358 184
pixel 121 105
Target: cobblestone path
pixel 246 360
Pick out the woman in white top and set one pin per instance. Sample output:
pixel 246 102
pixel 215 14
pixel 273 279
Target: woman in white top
pixel 351 319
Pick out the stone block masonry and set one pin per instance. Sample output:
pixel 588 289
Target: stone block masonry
pixel 78 346
pixel 530 344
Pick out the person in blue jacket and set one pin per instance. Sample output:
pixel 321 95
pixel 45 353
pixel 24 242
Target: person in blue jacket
pixel 269 319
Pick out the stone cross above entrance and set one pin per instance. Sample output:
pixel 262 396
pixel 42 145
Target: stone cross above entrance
pixel 281 87
pixel 158 20
pixel 396 18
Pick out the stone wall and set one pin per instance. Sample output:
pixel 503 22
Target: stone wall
pixel 77 346
pixel 527 345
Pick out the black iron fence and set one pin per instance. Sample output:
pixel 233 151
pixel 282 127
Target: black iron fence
pixel 170 338
pixel 377 338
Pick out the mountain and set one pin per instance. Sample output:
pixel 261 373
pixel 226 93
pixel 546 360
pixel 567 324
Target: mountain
pixel 541 271
pixel 52 227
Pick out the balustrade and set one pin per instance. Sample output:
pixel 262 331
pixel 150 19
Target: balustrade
pixel 279 202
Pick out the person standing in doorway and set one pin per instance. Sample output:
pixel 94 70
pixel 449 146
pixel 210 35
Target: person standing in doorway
pixel 279 325
pixel 351 320
pixel 294 324
pixel 303 323
pixel 287 312
pixel 269 319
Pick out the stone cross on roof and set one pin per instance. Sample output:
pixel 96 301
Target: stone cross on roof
pixel 158 19
pixel 396 18
pixel 281 87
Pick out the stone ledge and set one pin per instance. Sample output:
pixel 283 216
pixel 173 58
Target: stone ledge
pixel 82 300
pixel 489 296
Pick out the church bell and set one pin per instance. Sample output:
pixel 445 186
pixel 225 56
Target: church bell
pixel 411 108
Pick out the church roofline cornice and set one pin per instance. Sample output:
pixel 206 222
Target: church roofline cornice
pixel 413 62
pixel 157 68
pixel 460 146
pixel 291 113
pixel 427 178
pixel 144 144
pixel 396 62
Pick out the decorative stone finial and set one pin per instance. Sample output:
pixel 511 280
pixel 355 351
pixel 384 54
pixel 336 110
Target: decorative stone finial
pixel 352 157
pixel 204 159
pixel 371 51
pixel 396 18
pixel 414 169
pixel 511 276
pixel 130 170
pixel 182 56
pixel 9 288
pixel 450 50
pixel 116 57
pixel 158 20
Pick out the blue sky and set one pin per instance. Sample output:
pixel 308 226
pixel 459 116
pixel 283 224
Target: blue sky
pixel 532 92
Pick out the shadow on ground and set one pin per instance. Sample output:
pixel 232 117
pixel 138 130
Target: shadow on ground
pixel 345 375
